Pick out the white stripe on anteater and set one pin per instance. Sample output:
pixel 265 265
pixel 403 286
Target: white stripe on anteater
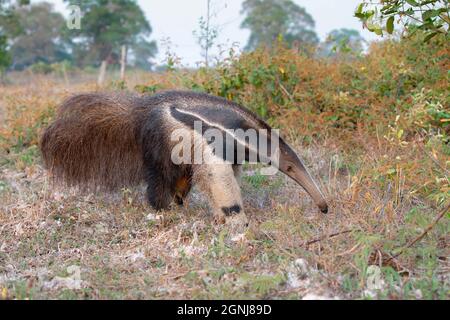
pixel 222 128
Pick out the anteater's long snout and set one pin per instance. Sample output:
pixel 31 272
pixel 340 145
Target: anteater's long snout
pixel 291 165
pixel 301 175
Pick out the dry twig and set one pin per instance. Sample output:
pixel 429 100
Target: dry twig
pixel 424 233
pixel 328 236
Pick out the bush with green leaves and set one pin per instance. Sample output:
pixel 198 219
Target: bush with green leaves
pixel 5 56
pixel 429 16
pixel 41 68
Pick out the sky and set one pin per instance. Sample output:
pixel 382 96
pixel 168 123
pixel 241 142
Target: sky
pixel 177 19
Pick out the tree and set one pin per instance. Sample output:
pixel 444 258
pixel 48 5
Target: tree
pixel 40 37
pixel 142 51
pixel 5 56
pixel 106 26
pixel 268 19
pixel 207 33
pixel 430 16
pixel 343 41
pixel 8 20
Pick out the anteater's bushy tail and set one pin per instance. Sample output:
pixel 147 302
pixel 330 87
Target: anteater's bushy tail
pixel 93 142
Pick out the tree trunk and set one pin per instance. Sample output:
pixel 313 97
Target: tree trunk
pixel 101 75
pixel 64 70
pixel 208 6
pixel 123 63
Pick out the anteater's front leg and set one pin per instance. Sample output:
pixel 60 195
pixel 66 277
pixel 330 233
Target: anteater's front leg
pixel 160 191
pixel 182 189
pixel 222 188
pixel 237 169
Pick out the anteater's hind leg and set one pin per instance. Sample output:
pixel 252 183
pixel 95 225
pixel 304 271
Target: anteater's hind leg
pixel 219 183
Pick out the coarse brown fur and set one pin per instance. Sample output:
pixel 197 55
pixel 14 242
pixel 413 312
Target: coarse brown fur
pixel 93 142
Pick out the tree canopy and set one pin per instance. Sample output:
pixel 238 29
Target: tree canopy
pixel 106 26
pixel 8 20
pixel 268 19
pixel 343 41
pixel 31 33
pixel 39 39
pixel 429 16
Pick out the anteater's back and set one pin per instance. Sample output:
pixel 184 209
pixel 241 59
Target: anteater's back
pixel 92 142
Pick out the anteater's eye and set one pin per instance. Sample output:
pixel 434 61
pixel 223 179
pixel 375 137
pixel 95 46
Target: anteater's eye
pixel 289 169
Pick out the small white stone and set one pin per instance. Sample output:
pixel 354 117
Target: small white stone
pixel 153 217
pixel 301 265
pixel 73 281
pixel 297 274
pixel 313 296
pixel 136 256
pixel 374 278
pixel 238 238
pixel 369 294
pixel 18 230
pixel 294 282
pixel 418 294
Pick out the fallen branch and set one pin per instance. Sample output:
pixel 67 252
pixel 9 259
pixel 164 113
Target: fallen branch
pixel 328 236
pixel 423 234
pixel 307 243
pixel 410 244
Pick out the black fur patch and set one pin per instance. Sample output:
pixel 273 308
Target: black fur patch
pixel 229 211
pixel 160 173
pixel 229 119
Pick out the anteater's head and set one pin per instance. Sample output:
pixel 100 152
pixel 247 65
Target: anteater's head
pixel 291 165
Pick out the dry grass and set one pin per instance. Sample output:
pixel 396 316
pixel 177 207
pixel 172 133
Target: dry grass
pixel 125 250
